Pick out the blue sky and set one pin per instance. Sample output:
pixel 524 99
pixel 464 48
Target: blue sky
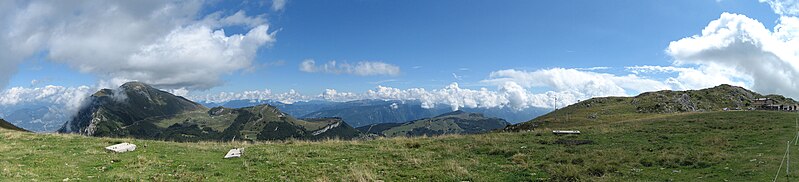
pixel 468 38
pixel 476 44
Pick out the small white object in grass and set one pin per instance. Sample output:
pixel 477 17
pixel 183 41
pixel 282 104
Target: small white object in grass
pixel 122 147
pixel 565 132
pixel 233 153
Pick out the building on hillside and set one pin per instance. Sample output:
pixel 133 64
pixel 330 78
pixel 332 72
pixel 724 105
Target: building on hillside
pixel 771 104
pixel 763 101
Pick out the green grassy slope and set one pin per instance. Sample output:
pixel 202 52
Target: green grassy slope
pixel 606 110
pixel 703 146
pixel 457 122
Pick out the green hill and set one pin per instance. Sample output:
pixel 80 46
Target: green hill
pixel 606 110
pixel 140 111
pixel 694 146
pixel 457 122
pixel 6 125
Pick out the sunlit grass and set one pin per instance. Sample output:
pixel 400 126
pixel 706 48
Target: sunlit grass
pixel 737 146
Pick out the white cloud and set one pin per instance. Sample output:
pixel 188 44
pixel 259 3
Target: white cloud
pixel 585 84
pixel 67 99
pixel 179 91
pixel 783 7
pixel 288 97
pixel 694 78
pixel 363 68
pixel 278 5
pixel 593 68
pixel 158 42
pixel 509 94
pixel 334 95
pixel 736 48
pixel 457 77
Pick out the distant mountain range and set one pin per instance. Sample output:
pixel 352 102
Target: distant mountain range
pixel 651 104
pixel 457 122
pixel 300 108
pixel 36 118
pixel 141 111
pixel 367 112
pixel 41 118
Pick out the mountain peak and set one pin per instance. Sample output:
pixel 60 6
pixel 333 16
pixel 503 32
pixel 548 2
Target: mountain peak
pixel 131 102
pixel 135 85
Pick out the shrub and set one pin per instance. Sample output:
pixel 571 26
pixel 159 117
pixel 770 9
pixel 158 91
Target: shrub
pixel 413 145
pixel 646 162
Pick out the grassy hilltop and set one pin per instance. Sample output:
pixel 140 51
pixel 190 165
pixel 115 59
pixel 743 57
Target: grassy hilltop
pixel 697 146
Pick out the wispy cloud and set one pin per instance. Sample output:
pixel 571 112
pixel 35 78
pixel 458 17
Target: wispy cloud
pixel 383 81
pixel 783 7
pixel 457 77
pixel 278 5
pixel 594 68
pixel 363 68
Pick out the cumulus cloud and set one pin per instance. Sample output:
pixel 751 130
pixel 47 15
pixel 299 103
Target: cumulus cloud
pixel 363 68
pixel 508 94
pixel 159 42
pixel 694 78
pixel 738 48
pixel 67 99
pixel 287 97
pixel 586 83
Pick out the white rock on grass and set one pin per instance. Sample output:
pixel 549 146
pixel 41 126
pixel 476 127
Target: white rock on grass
pixel 122 147
pixel 234 153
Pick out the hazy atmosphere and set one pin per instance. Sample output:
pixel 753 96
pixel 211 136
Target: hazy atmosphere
pixel 476 54
pixel 509 85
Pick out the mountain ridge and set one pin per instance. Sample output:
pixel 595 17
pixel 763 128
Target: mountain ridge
pixel 456 122
pixel 6 125
pixel 138 110
pixel 723 97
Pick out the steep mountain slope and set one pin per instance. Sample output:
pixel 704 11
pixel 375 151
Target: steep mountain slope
pixel 457 122
pixel 109 110
pixel 140 111
pixel 6 125
pixel 649 105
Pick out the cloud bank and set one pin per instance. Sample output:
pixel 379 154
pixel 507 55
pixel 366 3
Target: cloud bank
pixel 67 99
